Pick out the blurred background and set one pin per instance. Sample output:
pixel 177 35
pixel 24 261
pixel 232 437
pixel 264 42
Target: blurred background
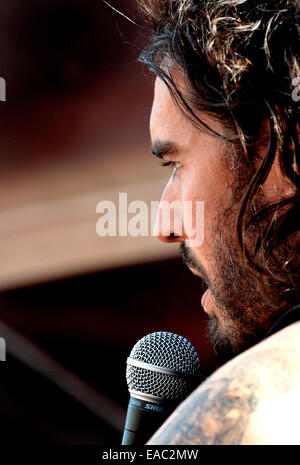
pixel 74 132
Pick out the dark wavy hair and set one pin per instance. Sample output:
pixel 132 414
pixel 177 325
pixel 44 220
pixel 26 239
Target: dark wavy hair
pixel 240 59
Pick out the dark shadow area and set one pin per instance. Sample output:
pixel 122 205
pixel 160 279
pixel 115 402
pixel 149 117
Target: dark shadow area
pixel 89 324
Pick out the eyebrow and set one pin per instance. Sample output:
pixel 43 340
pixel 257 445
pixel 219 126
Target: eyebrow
pixel 161 148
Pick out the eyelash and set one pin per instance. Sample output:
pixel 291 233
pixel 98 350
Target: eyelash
pixel 173 164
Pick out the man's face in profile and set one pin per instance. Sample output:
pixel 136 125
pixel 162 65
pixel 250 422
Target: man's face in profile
pixel 201 171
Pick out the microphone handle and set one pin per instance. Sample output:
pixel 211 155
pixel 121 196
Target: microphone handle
pixel 143 419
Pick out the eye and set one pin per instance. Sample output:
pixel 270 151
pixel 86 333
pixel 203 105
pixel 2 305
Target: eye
pixel 173 164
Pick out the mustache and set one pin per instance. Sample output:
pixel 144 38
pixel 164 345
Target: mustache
pixel 190 260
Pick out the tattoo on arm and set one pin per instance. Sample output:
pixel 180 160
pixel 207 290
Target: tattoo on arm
pixel 220 410
pixel 216 413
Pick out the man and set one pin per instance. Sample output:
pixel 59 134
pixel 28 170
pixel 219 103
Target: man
pixel 225 117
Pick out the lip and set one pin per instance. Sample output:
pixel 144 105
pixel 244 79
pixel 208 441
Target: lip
pixel 205 298
pixel 206 294
pixel 195 272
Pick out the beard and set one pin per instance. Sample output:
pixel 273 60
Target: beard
pixel 243 317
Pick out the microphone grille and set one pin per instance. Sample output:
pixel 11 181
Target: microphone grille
pixel 168 351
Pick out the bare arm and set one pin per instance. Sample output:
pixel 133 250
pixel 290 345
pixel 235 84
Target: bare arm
pixel 250 400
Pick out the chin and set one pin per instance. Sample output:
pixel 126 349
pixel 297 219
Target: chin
pixel 226 346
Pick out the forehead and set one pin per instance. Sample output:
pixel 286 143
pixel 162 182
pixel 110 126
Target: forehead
pixel 166 119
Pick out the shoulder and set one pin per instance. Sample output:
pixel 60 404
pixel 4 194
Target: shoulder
pixel 253 399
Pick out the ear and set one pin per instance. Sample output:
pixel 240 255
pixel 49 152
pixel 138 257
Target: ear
pixel 277 186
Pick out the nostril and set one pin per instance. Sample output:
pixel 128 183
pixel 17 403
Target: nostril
pixel 173 235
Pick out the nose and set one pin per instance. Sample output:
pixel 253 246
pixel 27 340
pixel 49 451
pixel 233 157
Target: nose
pixel 169 219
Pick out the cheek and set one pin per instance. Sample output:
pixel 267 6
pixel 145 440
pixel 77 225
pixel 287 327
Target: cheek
pixel 208 187
pixel 214 191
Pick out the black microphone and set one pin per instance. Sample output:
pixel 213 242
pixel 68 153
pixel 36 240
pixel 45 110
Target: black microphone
pixel 162 370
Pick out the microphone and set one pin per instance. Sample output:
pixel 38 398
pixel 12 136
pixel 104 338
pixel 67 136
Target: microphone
pixel 162 370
